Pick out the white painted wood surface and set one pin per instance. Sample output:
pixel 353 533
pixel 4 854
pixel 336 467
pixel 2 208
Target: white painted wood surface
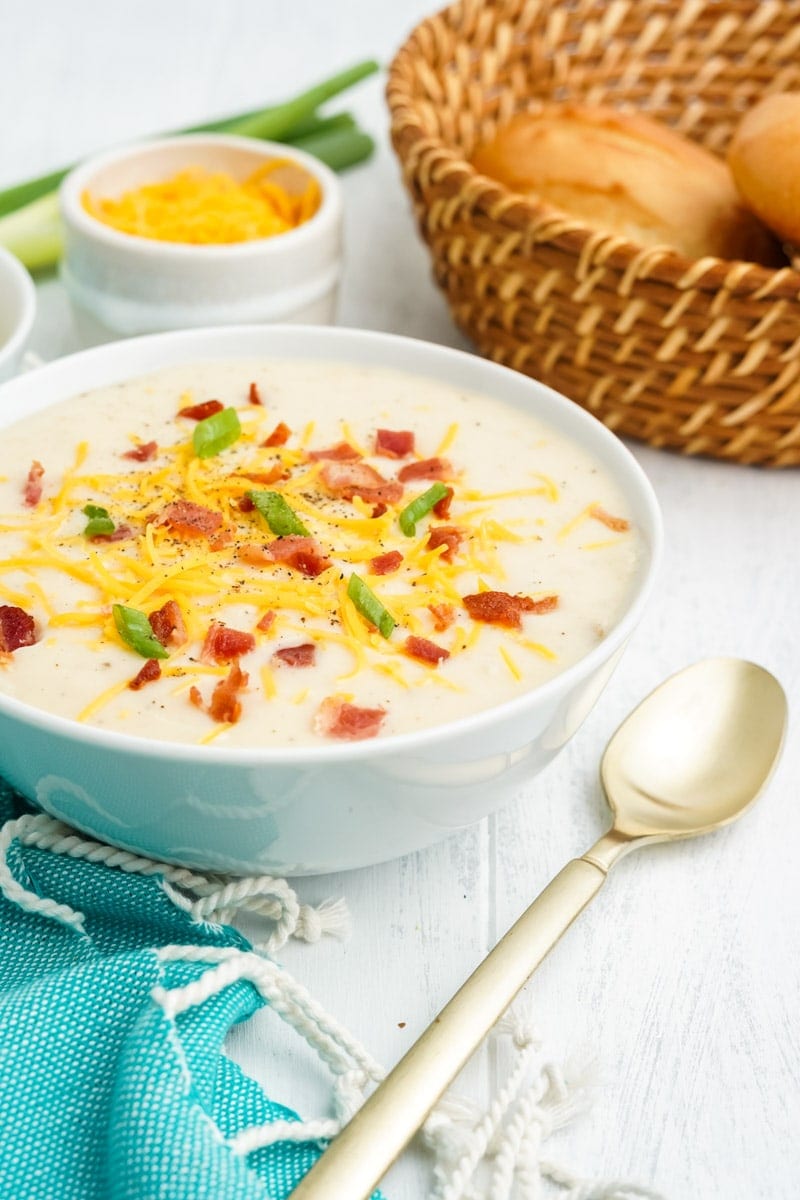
pixel 684 979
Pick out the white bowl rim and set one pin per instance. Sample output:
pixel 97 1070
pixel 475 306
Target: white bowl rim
pixel 331 752
pixel 75 183
pixel 27 310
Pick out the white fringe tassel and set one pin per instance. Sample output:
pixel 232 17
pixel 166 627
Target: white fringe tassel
pixel 506 1142
pixel 208 899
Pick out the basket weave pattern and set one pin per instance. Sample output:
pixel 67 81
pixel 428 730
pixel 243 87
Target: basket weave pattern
pixel 698 356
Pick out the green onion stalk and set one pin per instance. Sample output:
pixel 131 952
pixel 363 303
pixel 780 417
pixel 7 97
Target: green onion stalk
pixel 30 226
pixel 420 507
pixel 372 609
pixel 216 433
pixel 281 519
pixel 99 522
pixel 136 632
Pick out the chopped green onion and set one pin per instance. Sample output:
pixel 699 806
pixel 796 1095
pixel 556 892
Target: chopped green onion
pixel 420 507
pixel 99 521
pixel 135 630
pixel 281 519
pixel 370 607
pixel 99 525
pixel 216 433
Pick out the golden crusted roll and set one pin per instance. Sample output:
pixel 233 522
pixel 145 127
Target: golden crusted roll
pixel 630 175
pixel 764 156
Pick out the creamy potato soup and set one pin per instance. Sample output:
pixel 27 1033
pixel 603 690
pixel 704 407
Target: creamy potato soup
pixel 261 553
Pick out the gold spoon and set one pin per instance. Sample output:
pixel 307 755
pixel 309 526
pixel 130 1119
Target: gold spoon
pixel 692 757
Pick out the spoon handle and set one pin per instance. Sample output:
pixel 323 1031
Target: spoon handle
pixel 357 1159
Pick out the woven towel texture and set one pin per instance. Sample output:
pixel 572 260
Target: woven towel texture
pixel 102 1093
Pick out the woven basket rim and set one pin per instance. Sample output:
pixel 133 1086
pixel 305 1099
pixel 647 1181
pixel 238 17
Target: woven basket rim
pixel 451 171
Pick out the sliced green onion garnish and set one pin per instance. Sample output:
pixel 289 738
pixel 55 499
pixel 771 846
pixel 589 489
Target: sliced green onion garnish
pixel 420 507
pixel 216 433
pixel 99 520
pixel 370 607
pixel 281 519
pixel 135 630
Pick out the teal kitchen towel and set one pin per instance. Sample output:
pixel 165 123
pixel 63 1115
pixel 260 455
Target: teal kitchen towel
pixel 114 1006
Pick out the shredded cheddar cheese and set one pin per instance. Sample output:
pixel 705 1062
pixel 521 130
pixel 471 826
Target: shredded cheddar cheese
pixel 509 661
pixel 203 208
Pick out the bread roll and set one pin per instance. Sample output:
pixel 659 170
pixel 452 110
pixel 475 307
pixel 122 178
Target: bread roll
pixel 630 175
pixel 764 156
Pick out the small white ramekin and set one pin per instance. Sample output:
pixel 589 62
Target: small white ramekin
pixel 120 284
pixel 17 312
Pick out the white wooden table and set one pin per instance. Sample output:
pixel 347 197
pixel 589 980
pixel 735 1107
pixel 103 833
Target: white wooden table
pixel 684 978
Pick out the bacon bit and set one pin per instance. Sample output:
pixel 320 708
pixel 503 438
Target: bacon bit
pixel 32 492
pixel 296 656
pixel 499 608
pixel 199 412
pixel 218 541
pixel 428 468
pixel 300 553
pixel 337 719
pixel 168 625
pixel 359 479
pixel 445 535
pixel 271 476
pixel 279 436
pixel 443 616
pixel 120 534
pixel 545 605
pixel 254 395
pixel 245 504
pixel 394 443
pixel 385 564
pixel 188 519
pixel 195 698
pixel 223 644
pixel 441 508
pixel 341 452
pixel 378 510
pixel 149 672
pixel 267 621
pixel 427 652
pixel 144 452
pixel 16 629
pixel 225 704
pixel 256 555
pixel 618 524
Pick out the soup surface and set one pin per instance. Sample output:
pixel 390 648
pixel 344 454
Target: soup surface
pixel 350 552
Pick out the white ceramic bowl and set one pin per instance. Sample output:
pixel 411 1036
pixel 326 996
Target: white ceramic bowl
pixel 17 311
pixel 124 285
pixel 339 805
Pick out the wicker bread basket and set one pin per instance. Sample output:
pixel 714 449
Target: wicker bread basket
pixel 698 356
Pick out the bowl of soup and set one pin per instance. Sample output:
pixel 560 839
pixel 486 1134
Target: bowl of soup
pixel 297 599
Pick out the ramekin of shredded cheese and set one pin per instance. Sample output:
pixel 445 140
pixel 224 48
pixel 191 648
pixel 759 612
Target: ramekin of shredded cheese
pixel 200 230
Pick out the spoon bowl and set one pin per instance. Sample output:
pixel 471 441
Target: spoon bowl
pixel 696 752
